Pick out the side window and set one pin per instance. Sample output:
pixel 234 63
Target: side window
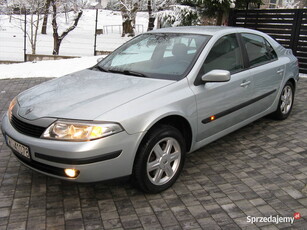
pixel 258 49
pixel 224 55
pixel 270 51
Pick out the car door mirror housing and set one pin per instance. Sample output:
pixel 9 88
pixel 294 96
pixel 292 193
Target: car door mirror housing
pixel 216 76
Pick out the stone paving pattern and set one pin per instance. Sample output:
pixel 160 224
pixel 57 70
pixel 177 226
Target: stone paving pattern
pixel 259 170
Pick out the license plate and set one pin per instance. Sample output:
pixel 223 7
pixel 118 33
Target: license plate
pixel 19 148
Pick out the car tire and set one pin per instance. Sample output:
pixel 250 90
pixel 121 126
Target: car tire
pixel 285 103
pixel 160 159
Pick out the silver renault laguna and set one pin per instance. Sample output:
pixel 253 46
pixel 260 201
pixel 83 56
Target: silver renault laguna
pixel 161 95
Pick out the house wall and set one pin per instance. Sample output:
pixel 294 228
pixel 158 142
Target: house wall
pixel 273 4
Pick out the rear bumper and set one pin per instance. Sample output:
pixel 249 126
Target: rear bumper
pixel 97 160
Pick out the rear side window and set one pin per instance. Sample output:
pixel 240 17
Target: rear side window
pixel 224 55
pixel 258 49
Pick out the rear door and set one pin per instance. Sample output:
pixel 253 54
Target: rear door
pixel 265 68
pixel 221 105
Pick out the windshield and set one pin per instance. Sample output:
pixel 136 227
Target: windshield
pixel 157 55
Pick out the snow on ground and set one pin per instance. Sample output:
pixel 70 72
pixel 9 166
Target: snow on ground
pixel 52 68
pixel 79 42
pixel 56 68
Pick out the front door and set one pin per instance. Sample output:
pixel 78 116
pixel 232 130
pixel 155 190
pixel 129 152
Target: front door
pixel 221 105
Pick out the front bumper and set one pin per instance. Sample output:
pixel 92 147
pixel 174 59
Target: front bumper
pixel 97 160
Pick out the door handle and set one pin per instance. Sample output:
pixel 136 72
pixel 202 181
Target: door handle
pixel 280 71
pixel 245 83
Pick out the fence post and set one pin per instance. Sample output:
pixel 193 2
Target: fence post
pixel 231 17
pixel 95 38
pixel 257 19
pixel 25 38
pixel 297 21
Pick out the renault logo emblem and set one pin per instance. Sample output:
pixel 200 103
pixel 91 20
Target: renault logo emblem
pixel 29 110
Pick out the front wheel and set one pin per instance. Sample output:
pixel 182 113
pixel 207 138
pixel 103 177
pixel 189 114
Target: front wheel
pixel 285 102
pixel 160 159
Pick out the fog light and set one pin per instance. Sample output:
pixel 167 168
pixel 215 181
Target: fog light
pixel 72 172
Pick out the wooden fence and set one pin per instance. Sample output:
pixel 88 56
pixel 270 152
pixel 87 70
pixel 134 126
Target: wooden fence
pixel 287 26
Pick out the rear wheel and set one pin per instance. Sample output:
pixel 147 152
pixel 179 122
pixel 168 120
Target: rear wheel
pixel 160 159
pixel 285 102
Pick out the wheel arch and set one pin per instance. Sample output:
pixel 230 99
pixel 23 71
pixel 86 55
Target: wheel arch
pixel 293 82
pixel 170 122
pixel 177 121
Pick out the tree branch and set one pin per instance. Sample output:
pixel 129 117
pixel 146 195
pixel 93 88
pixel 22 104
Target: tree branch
pixel 76 20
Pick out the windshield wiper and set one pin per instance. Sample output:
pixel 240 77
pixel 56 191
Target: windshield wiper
pixel 100 68
pixel 128 72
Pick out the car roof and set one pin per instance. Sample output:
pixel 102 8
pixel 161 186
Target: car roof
pixel 214 31
pixel 205 30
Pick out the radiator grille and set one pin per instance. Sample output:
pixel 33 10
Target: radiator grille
pixel 26 128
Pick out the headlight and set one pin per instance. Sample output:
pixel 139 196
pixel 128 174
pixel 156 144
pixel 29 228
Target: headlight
pixel 79 131
pixel 11 106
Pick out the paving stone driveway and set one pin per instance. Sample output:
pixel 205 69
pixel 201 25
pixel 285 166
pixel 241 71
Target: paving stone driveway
pixel 258 171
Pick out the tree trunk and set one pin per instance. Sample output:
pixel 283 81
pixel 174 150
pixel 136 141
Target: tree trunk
pixel 219 18
pixel 56 45
pixel 128 17
pixel 126 27
pixel 45 21
pixel 133 18
pixel 56 42
pixel 57 39
pixel 151 18
pixel 35 34
pixel 31 31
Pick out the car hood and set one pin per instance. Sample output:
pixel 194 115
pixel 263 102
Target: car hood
pixel 84 95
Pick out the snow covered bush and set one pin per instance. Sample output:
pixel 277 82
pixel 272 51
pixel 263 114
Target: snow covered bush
pixel 178 15
pixel 213 8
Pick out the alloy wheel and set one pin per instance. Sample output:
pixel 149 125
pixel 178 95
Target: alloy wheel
pixel 286 100
pixel 163 161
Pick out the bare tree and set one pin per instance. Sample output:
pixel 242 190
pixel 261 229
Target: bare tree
pixel 37 6
pixel 58 38
pixel 66 6
pixel 34 9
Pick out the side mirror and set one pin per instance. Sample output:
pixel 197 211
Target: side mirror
pixel 99 59
pixel 216 76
